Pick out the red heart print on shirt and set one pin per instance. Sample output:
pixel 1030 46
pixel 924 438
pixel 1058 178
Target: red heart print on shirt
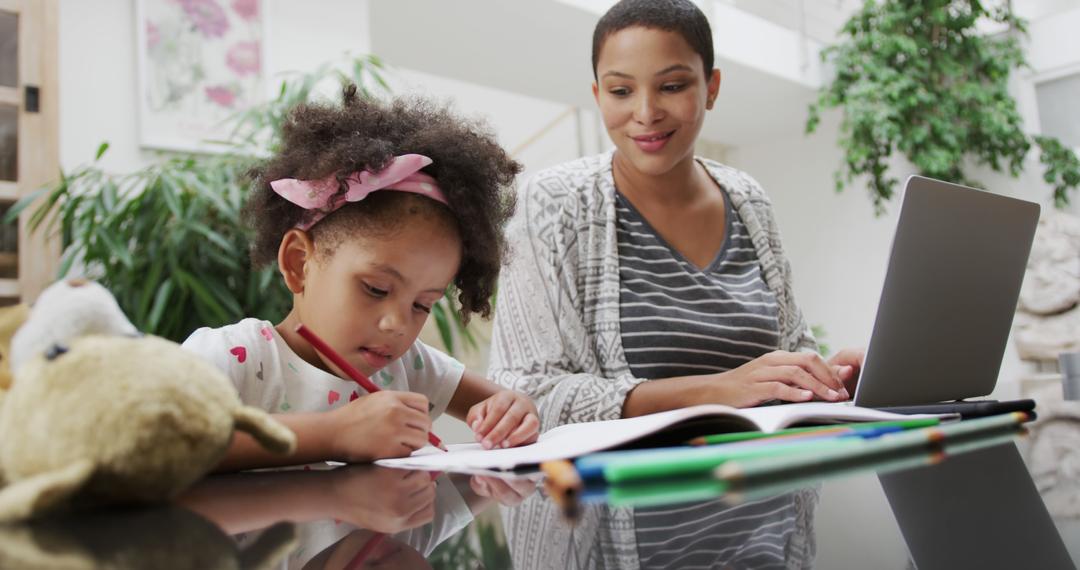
pixel 269 336
pixel 332 397
pixel 353 396
pixel 240 353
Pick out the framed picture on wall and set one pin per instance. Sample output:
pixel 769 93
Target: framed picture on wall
pixel 200 62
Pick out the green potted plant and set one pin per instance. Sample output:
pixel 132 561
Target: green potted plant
pixel 921 79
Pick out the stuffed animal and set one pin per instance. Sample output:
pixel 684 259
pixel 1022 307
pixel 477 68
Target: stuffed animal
pixel 64 311
pixel 135 539
pixel 11 318
pixel 114 419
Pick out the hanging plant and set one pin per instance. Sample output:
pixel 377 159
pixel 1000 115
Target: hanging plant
pixel 920 78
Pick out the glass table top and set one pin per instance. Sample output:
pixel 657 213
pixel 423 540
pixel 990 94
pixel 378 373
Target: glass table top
pixel 973 507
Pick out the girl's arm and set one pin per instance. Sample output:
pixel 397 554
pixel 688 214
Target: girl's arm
pixel 238 503
pixel 472 390
pixel 312 444
pixel 383 424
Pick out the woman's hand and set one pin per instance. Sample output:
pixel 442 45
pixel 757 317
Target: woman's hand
pixel 847 363
pixel 779 375
pixel 506 419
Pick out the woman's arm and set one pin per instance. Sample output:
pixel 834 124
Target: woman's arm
pixel 540 345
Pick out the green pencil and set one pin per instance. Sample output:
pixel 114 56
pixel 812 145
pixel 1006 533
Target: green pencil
pixel 747 435
pixel 741 470
pixel 902 460
pixel 699 460
pixel 666 492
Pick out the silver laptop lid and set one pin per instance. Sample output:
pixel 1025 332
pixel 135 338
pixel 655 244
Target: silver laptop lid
pixel 958 259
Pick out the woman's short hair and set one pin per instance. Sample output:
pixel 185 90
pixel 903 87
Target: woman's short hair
pixel 680 16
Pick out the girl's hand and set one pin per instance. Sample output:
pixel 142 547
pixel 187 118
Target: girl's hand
pixel 507 419
pixel 507 492
pixel 779 375
pixel 383 424
pixel 381 499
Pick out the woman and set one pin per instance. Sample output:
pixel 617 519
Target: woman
pixel 645 279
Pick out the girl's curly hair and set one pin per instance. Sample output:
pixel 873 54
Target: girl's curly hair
pixel 473 171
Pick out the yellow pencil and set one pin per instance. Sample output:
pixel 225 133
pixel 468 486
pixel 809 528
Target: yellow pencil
pixel 563 485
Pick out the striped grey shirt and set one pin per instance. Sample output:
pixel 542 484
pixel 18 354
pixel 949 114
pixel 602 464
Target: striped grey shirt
pixel 710 534
pixel 679 320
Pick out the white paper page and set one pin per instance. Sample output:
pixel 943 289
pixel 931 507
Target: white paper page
pixel 773 418
pixel 563 442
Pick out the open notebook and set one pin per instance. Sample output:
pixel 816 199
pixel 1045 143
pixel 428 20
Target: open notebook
pixel 655 430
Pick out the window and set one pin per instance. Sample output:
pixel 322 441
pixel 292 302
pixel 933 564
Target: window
pixel 1059 108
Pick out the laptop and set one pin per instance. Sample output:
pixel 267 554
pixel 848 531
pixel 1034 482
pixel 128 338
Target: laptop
pixel 957 262
pixel 978 509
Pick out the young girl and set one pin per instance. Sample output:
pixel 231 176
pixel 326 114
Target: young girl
pixel 371 210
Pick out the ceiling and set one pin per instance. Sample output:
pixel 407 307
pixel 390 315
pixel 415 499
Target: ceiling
pixel 541 48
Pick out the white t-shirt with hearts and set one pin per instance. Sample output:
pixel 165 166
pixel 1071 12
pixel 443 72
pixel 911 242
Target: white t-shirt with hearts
pixel 270 376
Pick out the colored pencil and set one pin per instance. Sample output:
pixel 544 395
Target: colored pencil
pixel 662 492
pixel 350 370
pixel 901 461
pixel 740 470
pixel 743 436
pixel 684 462
pixel 591 466
pixel 563 485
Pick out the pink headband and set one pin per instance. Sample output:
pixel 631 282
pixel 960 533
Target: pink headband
pixel 318 196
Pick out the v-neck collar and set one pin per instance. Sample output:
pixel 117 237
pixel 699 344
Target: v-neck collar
pixel 721 253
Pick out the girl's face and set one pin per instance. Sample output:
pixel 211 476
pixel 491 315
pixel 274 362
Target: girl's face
pixel 652 94
pixel 369 298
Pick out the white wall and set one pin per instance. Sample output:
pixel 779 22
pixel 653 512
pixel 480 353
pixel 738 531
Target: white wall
pixel 98 81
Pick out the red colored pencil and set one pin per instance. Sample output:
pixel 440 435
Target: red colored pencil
pixel 349 369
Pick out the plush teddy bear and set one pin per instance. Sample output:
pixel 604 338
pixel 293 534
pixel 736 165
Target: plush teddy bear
pixel 113 419
pixel 11 318
pixel 64 311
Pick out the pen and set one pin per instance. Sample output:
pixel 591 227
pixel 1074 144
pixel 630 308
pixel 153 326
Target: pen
pixel 350 370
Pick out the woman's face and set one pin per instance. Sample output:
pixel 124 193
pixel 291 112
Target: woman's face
pixel 652 93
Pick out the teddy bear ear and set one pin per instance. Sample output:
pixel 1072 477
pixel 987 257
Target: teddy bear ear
pixel 34 495
pixel 270 548
pixel 266 430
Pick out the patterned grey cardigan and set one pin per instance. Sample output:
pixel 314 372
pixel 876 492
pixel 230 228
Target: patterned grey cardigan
pixel 556 335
